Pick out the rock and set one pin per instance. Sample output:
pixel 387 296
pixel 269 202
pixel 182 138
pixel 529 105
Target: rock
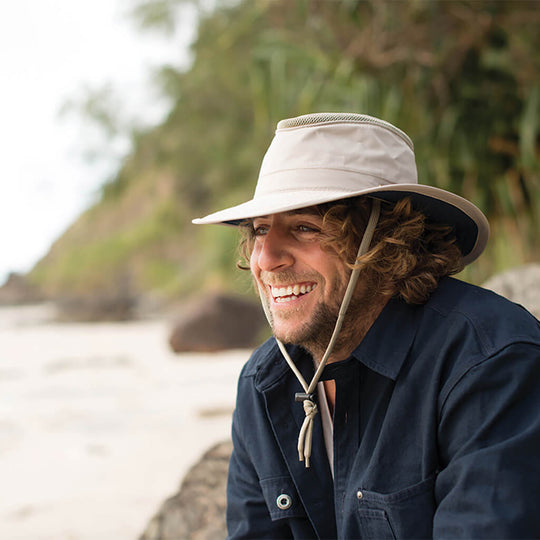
pixel 520 285
pixel 197 511
pixel 17 290
pixel 217 322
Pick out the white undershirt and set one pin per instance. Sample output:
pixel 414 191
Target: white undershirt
pixel 327 425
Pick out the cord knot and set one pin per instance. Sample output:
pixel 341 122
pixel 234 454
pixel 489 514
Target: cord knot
pixel 306 433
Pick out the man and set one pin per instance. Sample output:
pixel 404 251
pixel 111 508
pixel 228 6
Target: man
pixel 420 393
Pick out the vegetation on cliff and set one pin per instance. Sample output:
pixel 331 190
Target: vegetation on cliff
pixel 460 77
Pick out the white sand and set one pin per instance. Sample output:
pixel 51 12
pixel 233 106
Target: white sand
pixel 99 422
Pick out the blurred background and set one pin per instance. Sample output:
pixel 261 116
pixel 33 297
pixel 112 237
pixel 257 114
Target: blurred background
pixel 123 120
pixel 171 131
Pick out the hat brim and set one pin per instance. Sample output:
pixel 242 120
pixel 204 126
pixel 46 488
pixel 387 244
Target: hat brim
pixel 470 224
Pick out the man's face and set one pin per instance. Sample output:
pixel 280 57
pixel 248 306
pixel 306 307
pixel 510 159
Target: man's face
pixel 303 283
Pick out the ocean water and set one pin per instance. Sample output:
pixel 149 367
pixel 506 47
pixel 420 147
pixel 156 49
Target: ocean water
pixel 99 423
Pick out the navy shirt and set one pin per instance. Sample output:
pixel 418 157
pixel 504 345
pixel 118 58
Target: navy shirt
pixel 436 430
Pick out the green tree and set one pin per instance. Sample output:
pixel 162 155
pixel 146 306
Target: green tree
pixel 461 77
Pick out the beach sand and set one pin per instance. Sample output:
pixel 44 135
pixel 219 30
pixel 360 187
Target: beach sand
pixel 99 423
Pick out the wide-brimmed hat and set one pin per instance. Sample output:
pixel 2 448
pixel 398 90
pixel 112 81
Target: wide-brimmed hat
pixel 325 157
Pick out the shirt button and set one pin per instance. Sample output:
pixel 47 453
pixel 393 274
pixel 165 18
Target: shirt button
pixel 283 501
pixel 359 494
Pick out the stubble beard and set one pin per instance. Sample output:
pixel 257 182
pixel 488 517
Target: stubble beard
pixel 315 334
pixel 312 335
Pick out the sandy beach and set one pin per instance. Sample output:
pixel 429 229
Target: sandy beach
pixel 99 423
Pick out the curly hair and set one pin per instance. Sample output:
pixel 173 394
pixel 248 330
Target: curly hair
pixel 408 256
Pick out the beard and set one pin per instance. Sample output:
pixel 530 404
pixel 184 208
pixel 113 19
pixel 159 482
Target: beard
pixel 315 334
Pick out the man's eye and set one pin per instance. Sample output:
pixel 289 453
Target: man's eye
pixel 307 229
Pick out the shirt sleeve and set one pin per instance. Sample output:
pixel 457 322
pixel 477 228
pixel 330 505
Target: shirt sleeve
pixel 247 512
pixel 489 445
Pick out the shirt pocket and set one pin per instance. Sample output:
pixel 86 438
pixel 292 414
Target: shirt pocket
pixel 407 513
pixel 282 498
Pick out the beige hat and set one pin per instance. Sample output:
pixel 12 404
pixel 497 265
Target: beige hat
pixel 324 157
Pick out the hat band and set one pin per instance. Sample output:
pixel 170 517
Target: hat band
pixel 317 180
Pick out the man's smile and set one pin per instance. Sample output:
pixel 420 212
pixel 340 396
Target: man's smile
pixel 291 292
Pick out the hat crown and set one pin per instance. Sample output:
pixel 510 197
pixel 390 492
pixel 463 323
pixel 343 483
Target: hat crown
pixel 336 151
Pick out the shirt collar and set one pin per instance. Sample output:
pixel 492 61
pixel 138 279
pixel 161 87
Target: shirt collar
pixel 387 343
pixel 383 349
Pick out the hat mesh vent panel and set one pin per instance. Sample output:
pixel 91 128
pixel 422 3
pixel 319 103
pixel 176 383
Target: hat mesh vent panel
pixel 333 118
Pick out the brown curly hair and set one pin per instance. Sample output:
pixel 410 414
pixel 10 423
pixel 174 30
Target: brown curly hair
pixel 409 254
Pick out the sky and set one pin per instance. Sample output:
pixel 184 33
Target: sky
pixel 51 53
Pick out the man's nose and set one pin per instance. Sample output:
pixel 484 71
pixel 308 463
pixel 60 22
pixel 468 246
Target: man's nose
pixel 274 253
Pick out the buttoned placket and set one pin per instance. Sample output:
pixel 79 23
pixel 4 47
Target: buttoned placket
pixel 287 421
pixel 346 422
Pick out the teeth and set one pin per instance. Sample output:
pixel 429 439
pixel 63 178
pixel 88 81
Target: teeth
pixel 284 294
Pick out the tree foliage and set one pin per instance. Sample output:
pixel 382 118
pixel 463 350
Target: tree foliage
pixel 460 77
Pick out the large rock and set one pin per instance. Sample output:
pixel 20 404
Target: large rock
pixel 217 322
pixel 520 285
pixel 197 511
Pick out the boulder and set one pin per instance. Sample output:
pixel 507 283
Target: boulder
pixel 217 322
pixel 520 285
pixel 197 511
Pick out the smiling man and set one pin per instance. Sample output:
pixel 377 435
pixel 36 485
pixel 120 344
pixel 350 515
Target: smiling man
pixel 303 280
pixel 309 282
pixel 393 401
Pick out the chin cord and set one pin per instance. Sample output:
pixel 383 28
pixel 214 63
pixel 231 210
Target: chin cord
pixel 307 397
